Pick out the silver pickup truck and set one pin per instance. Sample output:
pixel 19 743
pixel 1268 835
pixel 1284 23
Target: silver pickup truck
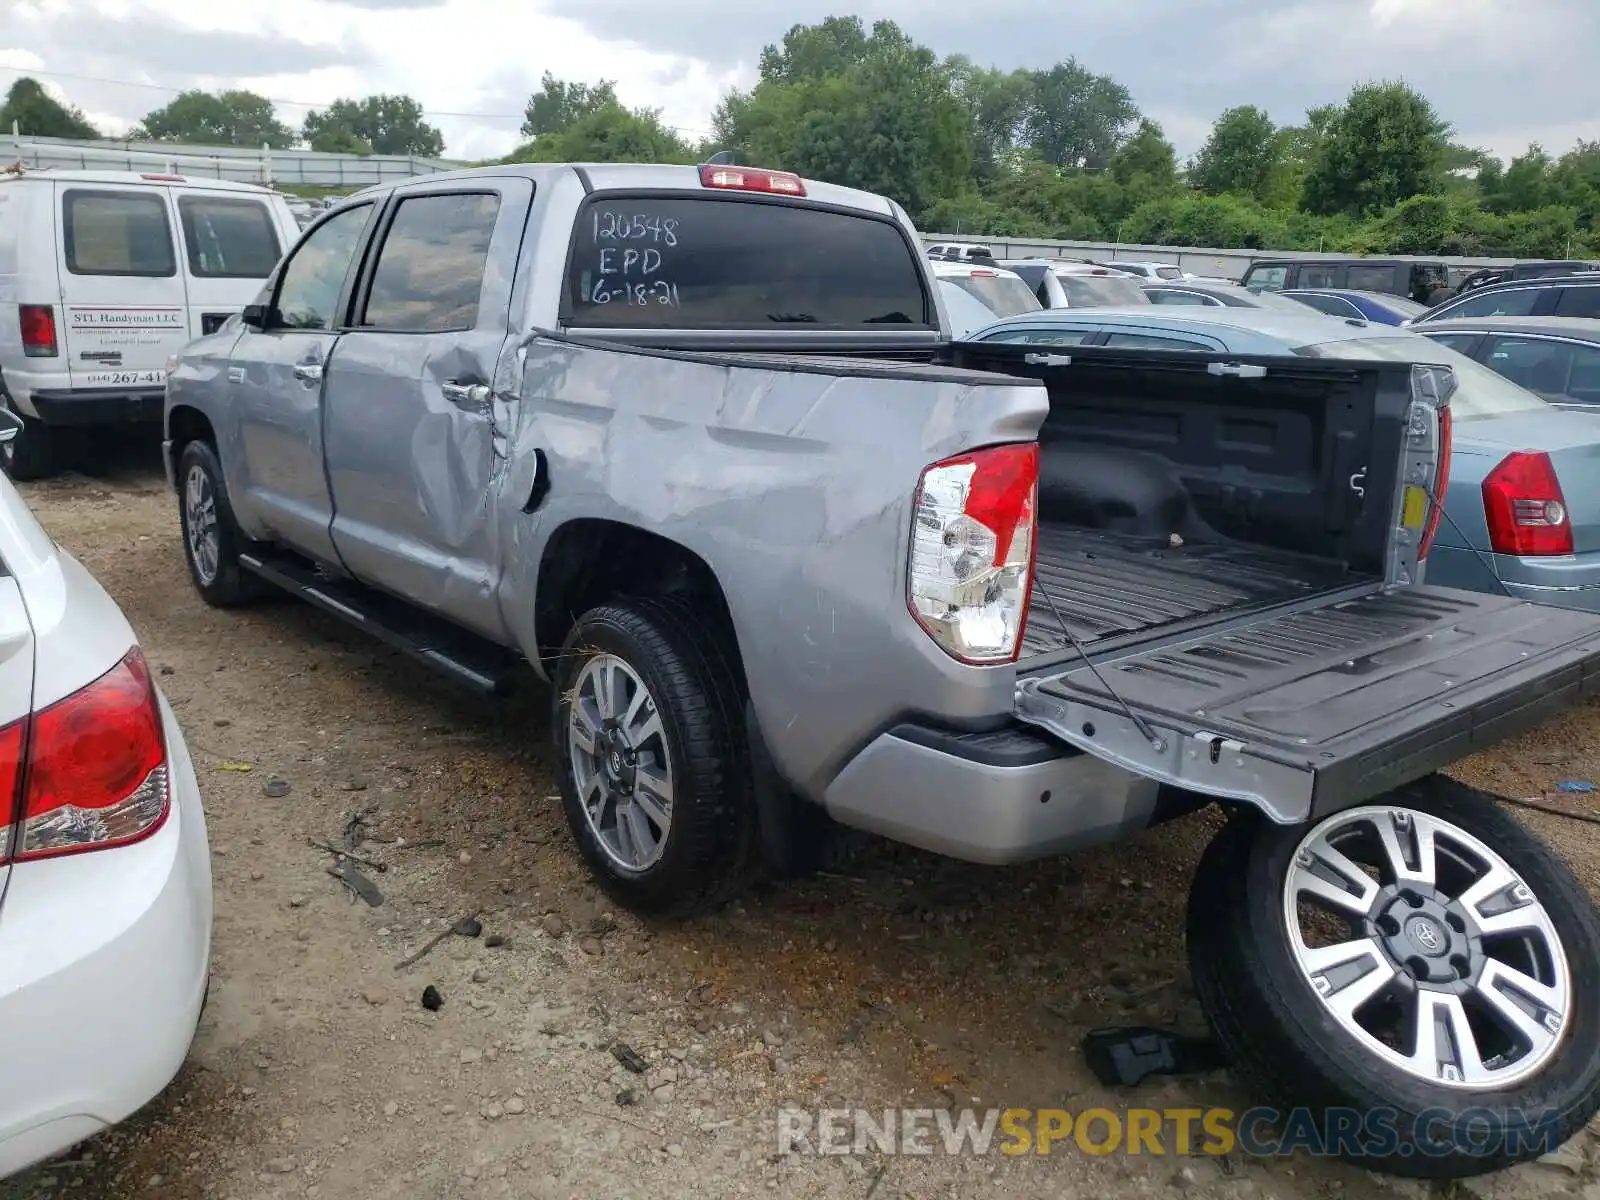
pixel 693 445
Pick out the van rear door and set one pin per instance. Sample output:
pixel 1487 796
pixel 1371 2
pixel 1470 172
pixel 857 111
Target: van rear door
pixel 125 306
pixel 231 242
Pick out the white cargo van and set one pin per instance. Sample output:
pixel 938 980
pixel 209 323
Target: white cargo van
pixel 103 274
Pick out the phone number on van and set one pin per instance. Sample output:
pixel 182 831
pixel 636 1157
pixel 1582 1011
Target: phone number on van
pixel 124 378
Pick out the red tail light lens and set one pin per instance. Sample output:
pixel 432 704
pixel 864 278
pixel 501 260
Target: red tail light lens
pixel 1441 483
pixel 752 179
pixel 38 324
pixel 1524 507
pixel 972 544
pixel 93 766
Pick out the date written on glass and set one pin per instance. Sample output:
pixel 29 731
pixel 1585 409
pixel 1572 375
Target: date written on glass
pixel 635 227
pixel 629 276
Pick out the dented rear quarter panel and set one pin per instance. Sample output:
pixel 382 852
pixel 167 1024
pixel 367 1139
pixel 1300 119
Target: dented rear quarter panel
pixel 794 483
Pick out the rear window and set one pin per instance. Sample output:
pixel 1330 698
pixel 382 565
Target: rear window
pixel 117 233
pixel 1480 392
pixel 678 262
pixel 1101 291
pixel 1003 295
pixel 227 238
pixel 1168 273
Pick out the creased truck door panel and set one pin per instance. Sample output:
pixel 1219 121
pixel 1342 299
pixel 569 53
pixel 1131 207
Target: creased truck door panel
pixel 1311 710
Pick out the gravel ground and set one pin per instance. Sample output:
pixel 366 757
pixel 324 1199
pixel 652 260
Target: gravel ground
pixel 901 979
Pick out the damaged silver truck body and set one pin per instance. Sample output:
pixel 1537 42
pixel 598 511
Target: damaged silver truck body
pixel 692 444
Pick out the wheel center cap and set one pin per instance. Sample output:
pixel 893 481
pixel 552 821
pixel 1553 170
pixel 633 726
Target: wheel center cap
pixel 1428 936
pixel 616 762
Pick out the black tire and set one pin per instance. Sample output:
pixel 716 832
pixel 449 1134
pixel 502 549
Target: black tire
pixel 32 453
pixel 1292 1051
pixel 707 850
pixel 226 584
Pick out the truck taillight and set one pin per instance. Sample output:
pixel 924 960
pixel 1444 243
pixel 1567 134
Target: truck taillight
pixel 1524 507
pixel 752 179
pixel 90 770
pixel 38 326
pixel 972 546
pixel 1441 484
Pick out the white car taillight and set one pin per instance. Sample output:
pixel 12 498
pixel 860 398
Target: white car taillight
pixel 90 770
pixel 972 540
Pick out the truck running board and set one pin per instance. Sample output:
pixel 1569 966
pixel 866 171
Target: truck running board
pixel 474 662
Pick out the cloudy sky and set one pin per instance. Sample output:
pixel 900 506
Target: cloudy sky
pixel 1504 72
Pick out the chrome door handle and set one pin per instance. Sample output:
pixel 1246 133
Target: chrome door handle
pixel 474 394
pixel 310 372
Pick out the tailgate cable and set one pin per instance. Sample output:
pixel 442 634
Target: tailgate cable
pixel 1156 743
pixel 1512 800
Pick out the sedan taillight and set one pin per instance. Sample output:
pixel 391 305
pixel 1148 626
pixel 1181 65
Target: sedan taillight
pixel 90 771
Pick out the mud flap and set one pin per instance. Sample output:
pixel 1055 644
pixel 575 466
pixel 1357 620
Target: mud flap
pixel 1303 713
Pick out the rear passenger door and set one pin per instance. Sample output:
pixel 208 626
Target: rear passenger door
pixel 413 440
pixel 230 245
pixel 122 292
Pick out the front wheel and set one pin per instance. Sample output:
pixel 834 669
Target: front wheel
pixel 654 771
pixel 211 538
pixel 1421 973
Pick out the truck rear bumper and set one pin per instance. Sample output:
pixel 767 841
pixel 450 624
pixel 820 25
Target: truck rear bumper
pixel 997 797
pixel 99 406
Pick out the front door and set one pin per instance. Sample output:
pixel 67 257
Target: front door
pixel 412 437
pixel 275 474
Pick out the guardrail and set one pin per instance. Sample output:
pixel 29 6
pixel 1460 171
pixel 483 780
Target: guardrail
pixel 245 164
pixel 1199 260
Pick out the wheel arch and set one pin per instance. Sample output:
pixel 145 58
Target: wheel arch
pixel 185 424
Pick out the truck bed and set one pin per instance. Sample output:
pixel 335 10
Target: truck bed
pixel 1105 586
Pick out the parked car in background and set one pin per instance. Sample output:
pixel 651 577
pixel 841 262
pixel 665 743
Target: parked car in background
pixel 1380 307
pixel 1528 270
pixel 975 295
pixel 105 870
pixel 1195 294
pixel 1557 296
pixel 104 274
pixel 961 251
pixel 1522 510
pixel 1060 283
pixel 1423 282
pixel 1557 358
pixel 1148 270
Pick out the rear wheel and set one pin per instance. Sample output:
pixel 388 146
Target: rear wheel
pixel 1426 964
pixel 211 538
pixel 654 770
pixel 31 454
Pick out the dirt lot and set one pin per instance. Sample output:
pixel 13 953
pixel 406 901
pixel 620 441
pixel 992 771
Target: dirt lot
pixel 901 979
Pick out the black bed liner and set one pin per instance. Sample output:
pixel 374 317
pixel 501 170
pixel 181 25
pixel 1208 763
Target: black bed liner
pixel 1106 586
pixel 1308 710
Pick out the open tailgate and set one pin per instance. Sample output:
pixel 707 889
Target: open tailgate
pixel 1305 712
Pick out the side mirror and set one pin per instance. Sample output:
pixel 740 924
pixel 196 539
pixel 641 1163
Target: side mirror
pixel 10 425
pixel 255 316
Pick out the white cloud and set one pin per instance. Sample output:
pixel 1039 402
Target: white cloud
pixel 471 63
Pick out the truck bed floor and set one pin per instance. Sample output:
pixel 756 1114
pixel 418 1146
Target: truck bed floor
pixel 1106 585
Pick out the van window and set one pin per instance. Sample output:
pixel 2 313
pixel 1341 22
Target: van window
pixel 228 238
pixel 677 262
pixel 117 233
pixel 1370 279
pixel 1318 277
pixel 430 271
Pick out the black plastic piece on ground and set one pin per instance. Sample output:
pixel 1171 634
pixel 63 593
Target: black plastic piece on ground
pixel 1124 1055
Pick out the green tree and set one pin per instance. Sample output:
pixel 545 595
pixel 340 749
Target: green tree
pixel 388 124
pixel 37 114
pixel 1147 155
pixel 1385 145
pixel 997 104
pixel 1078 118
pixel 217 119
pixel 1244 154
pixel 871 111
pixel 558 103
pixel 609 133
pixel 1524 186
